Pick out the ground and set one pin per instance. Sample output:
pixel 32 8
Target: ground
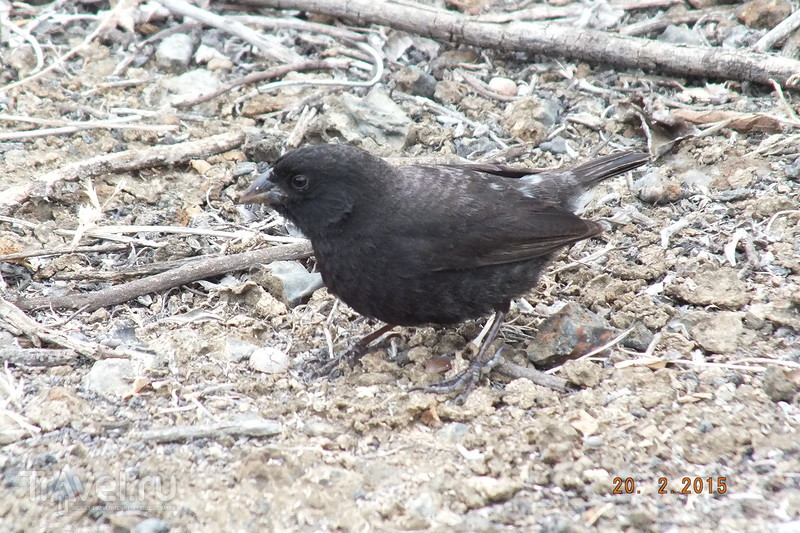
pixel 690 421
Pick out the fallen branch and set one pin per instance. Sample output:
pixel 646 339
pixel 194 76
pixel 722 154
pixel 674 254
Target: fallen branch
pixel 200 269
pixel 558 41
pixel 155 156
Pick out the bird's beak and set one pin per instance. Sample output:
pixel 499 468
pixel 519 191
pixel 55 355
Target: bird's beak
pixel 263 191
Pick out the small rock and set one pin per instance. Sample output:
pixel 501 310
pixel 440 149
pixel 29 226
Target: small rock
pixel 112 378
pixel 269 360
pixel 21 58
pixel 453 432
pixel 237 350
pixel 780 385
pixel 523 393
pixel 151 525
pixel 503 86
pixel 11 430
pixel 793 170
pixel 570 332
pixel 528 118
pixel 375 117
pixel 414 81
pixel 655 188
pixel 583 373
pixel 447 92
pixel 764 14
pixel 681 34
pixel 253 296
pixel 191 85
pixel 718 332
pixel 481 491
pixel 289 281
pixel 739 36
pixel 57 407
pixel 639 339
pixel 321 428
pixel 557 145
pixel 712 286
pixel 175 52
pixel 244 169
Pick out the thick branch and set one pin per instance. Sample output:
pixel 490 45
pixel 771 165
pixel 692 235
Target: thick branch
pixel 558 40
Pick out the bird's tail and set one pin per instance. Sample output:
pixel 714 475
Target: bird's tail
pixel 566 188
pixel 607 166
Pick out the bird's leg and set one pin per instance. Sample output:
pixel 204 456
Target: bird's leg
pixel 353 353
pixel 464 382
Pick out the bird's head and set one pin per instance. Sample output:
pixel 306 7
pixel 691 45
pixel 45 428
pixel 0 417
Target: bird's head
pixel 318 186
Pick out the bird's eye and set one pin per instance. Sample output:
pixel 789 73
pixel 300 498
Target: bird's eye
pixel 300 182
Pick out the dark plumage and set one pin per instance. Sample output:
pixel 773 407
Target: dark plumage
pixel 425 244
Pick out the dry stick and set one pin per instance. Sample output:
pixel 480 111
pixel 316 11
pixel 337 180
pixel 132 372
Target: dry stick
pixel 661 22
pixel 557 40
pixel 255 77
pixel 201 269
pixel 512 370
pixel 296 24
pixel 125 274
pixel 249 428
pixel 37 357
pixel 61 127
pixel 788 26
pixel 270 50
pixel 64 250
pixel 127 161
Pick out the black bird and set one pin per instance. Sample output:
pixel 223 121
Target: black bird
pixel 431 244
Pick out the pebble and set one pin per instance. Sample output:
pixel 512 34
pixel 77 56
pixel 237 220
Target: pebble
pixel 655 188
pixel 718 332
pixel 112 378
pixel 269 360
pixel 375 121
pixel 480 491
pixel 175 52
pixel 290 282
pixel 681 34
pixel 414 81
pixel 714 286
pixel 191 85
pixel 569 332
pixel 503 86
pixel 151 525
pixel 779 385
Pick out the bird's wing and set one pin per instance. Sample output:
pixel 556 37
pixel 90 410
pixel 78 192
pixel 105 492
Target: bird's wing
pixel 467 220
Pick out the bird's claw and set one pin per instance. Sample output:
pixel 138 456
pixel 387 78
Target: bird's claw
pixel 350 356
pixel 464 382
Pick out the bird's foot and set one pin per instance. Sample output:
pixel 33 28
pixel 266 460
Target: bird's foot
pixel 349 357
pixel 465 382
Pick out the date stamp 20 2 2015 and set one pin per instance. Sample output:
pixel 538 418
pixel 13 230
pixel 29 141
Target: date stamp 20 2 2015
pixel 688 485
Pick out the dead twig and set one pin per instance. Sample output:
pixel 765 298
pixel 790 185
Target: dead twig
pixel 60 127
pixel 270 48
pixel 200 269
pixel 514 371
pixel 256 77
pixel 255 427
